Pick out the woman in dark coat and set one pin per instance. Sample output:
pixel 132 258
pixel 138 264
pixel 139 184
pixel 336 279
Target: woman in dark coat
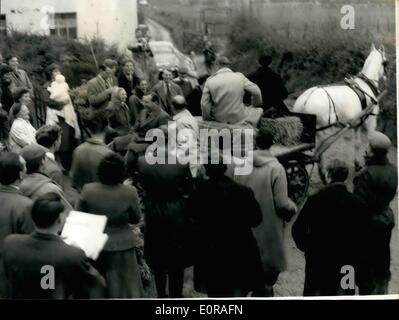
pixel 120 203
pixel 227 260
pixel 166 245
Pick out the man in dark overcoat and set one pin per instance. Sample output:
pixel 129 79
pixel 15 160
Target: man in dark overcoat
pixel 15 207
pixel 227 260
pixel 377 184
pixel 272 87
pixel 329 230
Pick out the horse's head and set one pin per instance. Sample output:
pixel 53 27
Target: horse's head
pixel 375 67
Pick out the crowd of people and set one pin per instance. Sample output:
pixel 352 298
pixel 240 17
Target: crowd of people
pixel 166 217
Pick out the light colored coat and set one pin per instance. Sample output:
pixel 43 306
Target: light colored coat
pixel 223 95
pixel 269 183
pixel 22 133
pixel 188 139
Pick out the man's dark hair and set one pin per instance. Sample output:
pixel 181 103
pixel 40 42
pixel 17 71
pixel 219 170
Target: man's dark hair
pixel 19 93
pixel 14 111
pixel 97 121
pixel 111 170
pixel 48 135
pixel 265 60
pixel 33 165
pixel 264 140
pixel 10 168
pixel 338 170
pixel 46 210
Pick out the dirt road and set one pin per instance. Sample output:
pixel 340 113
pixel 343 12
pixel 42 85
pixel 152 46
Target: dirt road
pixel 157 31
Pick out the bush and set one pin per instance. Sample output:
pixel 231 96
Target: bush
pixel 36 53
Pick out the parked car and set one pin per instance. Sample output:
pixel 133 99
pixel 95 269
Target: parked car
pixel 167 56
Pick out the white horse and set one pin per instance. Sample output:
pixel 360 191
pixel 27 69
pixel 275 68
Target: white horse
pixel 340 104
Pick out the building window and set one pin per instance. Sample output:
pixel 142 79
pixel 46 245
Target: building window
pixel 3 24
pixel 64 25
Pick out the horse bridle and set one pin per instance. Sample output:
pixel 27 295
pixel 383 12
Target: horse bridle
pixel 374 83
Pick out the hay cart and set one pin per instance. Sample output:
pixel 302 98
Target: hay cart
pixel 296 158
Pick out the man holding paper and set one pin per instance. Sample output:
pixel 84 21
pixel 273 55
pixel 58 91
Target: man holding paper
pixel 42 265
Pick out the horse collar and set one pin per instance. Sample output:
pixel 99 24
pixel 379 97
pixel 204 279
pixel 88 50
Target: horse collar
pixel 370 83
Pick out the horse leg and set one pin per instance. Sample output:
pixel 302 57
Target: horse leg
pixel 321 165
pixel 357 139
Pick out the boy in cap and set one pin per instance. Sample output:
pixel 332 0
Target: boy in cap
pixel 376 184
pixel 36 184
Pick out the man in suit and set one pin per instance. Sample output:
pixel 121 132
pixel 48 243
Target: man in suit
pixel 41 265
pixel 151 117
pixel 128 79
pixel 183 82
pixel 87 157
pixel 223 95
pixel 100 88
pixel 166 90
pixel 15 207
pixel 20 79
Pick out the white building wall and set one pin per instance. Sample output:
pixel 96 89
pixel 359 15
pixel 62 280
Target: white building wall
pixel 112 20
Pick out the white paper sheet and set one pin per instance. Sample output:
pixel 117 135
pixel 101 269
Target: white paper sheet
pixel 85 231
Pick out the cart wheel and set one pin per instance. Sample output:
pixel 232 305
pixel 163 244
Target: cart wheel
pixel 298 181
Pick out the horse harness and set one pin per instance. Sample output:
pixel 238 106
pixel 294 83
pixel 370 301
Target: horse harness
pixel 362 95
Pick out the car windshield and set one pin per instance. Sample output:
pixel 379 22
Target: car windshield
pixel 163 49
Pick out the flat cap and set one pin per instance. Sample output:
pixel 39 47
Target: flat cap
pixel 110 63
pixel 379 142
pixel 32 152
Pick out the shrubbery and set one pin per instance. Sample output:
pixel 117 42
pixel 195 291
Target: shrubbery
pixel 37 52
